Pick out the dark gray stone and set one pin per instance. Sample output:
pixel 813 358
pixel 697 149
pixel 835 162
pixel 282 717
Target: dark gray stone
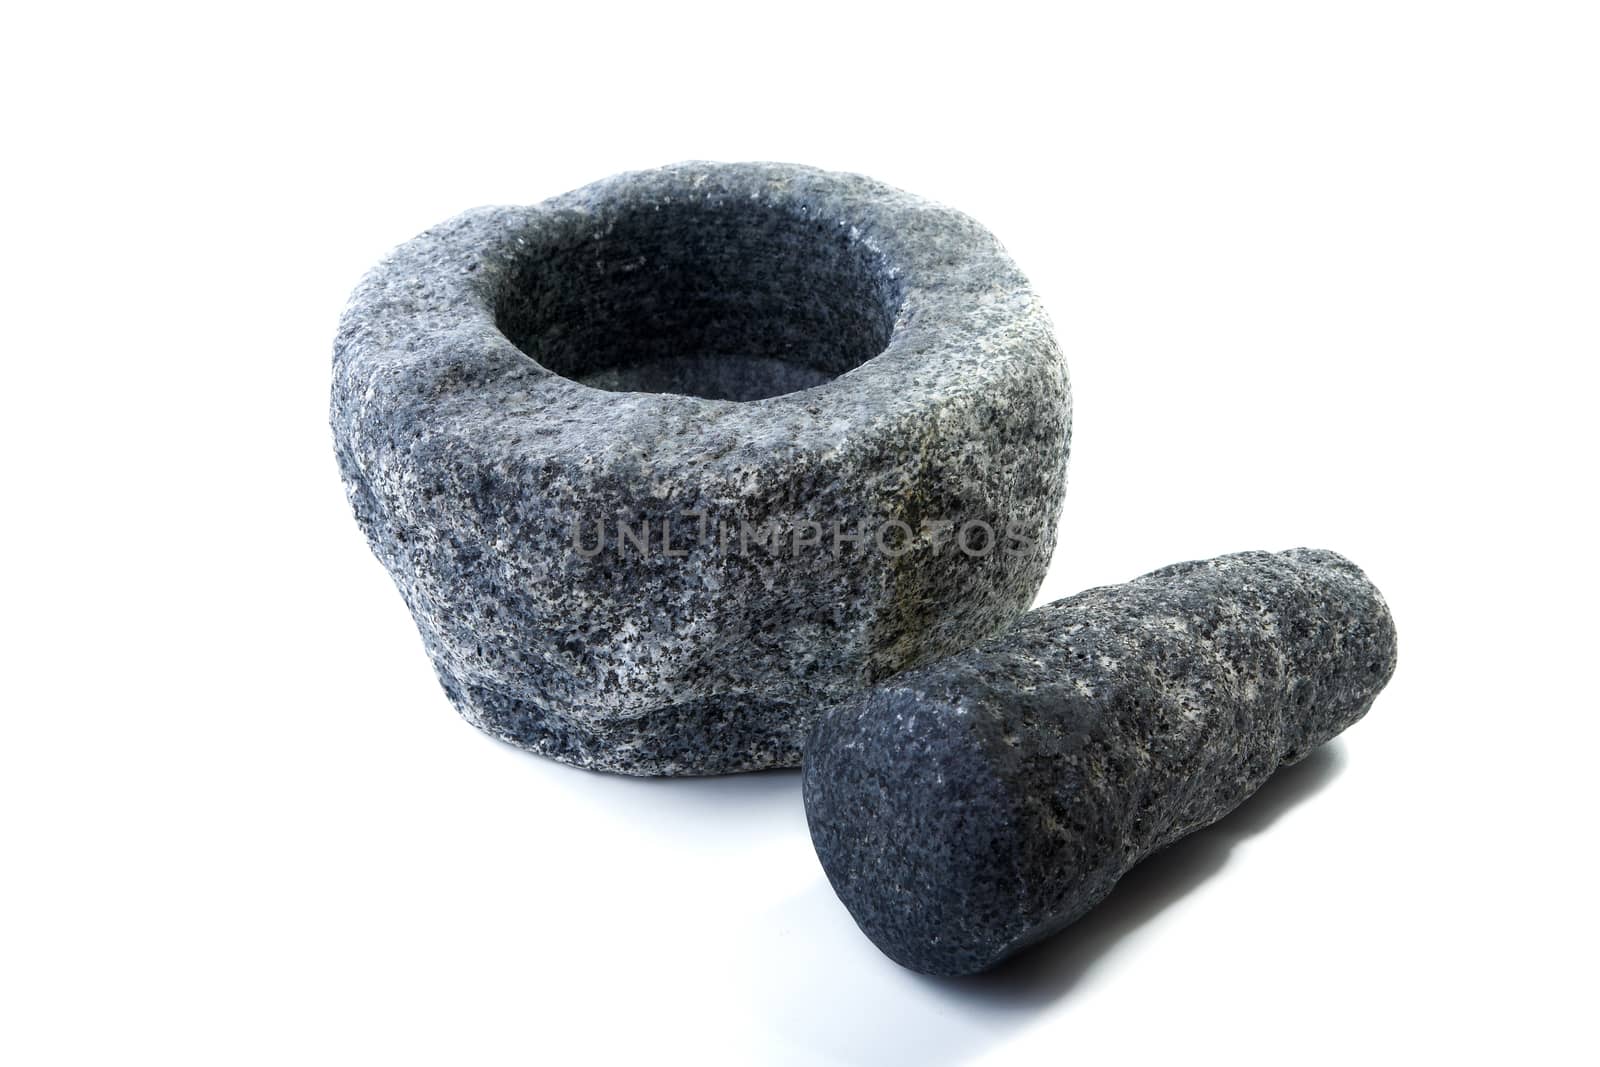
pixel 702 350
pixel 971 807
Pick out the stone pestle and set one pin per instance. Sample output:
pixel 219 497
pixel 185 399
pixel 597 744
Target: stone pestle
pixel 971 807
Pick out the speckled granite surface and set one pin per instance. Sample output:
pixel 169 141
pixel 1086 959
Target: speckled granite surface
pixel 693 351
pixel 969 808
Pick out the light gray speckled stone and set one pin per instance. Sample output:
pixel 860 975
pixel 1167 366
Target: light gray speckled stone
pixel 968 808
pixel 700 349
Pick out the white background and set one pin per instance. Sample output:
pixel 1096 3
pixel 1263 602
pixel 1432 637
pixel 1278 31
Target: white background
pixel 1325 274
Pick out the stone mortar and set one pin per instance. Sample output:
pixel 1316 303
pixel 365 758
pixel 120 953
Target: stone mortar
pixel 971 807
pixel 694 352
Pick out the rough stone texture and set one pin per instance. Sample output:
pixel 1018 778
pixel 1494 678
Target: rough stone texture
pixel 971 807
pixel 709 347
